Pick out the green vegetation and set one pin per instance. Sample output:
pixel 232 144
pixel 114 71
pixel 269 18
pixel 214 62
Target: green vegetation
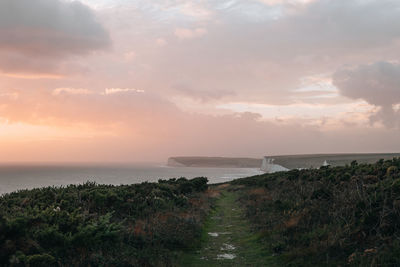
pixel 332 216
pixel 146 224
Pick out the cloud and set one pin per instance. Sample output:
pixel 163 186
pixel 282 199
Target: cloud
pixel 280 2
pixel 336 24
pixel 378 84
pixel 69 106
pixel 276 56
pixel 261 52
pixel 110 91
pixel 128 126
pixel 195 10
pixel 73 91
pixel 161 42
pixel 37 35
pixel 129 56
pixel 203 95
pixel 183 33
pixel 139 126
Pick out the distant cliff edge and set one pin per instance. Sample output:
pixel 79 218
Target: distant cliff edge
pixel 219 162
pixel 309 161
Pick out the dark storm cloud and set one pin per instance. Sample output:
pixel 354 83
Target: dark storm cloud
pixel 378 84
pixel 46 31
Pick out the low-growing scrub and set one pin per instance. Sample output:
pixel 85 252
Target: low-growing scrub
pixel 144 224
pixel 329 216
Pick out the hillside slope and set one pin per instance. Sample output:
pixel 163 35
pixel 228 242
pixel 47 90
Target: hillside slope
pixel 332 216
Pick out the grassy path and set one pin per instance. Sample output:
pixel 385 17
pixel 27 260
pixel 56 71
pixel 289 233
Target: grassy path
pixel 228 239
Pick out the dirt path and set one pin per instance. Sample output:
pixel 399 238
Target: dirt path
pixel 229 240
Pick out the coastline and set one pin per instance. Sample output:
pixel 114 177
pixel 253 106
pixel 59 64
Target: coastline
pixel 21 177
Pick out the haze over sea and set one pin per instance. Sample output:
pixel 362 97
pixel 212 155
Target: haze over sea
pixel 27 176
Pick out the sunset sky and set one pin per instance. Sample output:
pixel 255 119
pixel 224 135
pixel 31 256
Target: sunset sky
pixel 141 80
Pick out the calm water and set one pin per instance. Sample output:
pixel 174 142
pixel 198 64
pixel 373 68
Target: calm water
pixel 15 177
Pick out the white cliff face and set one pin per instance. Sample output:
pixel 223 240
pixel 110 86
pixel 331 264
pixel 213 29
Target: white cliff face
pixel 268 166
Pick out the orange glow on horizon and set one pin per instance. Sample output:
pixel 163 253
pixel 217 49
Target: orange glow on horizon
pixel 32 76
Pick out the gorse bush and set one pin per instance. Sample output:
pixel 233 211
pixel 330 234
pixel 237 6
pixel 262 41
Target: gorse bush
pixel 143 224
pixel 329 216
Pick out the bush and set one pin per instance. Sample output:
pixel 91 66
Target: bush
pixel 91 224
pixel 332 216
pixel 41 260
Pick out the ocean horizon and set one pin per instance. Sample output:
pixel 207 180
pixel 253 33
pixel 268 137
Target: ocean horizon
pixel 20 176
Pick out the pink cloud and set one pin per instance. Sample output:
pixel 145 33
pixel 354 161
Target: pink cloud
pixel 183 33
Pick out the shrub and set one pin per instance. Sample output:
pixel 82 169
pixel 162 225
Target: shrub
pixel 91 224
pixel 334 216
pixel 41 260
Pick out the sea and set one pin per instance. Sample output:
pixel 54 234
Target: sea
pixel 14 177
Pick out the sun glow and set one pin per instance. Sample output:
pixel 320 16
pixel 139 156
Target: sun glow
pixel 33 76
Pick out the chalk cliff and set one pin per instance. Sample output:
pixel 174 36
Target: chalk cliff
pixel 268 166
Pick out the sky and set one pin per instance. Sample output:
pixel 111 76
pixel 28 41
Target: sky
pixel 139 80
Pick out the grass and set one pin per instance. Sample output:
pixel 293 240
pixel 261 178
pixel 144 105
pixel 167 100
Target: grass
pixel 228 233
